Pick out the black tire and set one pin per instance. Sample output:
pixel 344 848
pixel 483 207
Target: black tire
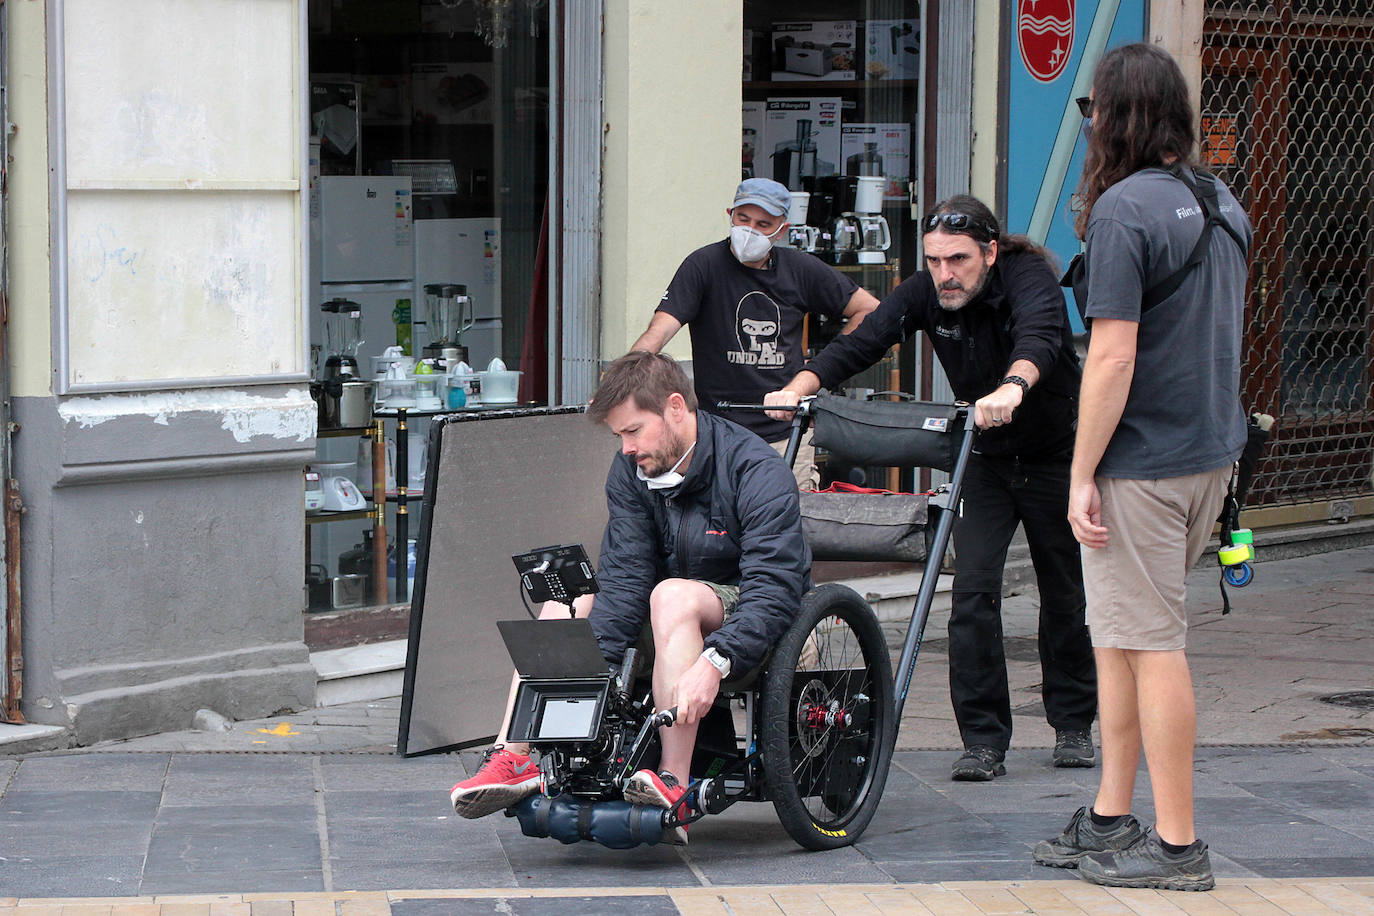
pixel 824 776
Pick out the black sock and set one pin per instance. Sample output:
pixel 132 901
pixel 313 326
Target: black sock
pixel 1106 821
pixel 1173 850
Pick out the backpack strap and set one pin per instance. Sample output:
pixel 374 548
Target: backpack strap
pixel 1203 186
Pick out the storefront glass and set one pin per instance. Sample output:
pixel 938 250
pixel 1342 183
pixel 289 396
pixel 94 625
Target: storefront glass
pixel 430 129
pixel 832 109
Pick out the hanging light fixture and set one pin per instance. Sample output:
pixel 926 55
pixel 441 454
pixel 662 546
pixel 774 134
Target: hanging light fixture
pixel 493 18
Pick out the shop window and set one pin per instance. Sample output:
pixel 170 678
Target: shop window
pixel 439 109
pixel 832 109
pixel 430 128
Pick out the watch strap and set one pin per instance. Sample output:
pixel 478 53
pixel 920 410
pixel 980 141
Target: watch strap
pixel 1015 380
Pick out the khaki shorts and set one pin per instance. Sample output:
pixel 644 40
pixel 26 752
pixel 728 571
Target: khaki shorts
pixel 729 598
pixel 804 468
pixel 1159 529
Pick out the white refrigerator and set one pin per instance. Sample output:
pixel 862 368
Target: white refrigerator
pixel 362 248
pixel 362 234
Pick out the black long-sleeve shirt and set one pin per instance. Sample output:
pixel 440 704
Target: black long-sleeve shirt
pixel 1019 314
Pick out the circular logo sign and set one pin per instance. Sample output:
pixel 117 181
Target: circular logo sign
pixel 1044 33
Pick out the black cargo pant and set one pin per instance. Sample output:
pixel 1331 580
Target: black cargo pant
pixel 997 494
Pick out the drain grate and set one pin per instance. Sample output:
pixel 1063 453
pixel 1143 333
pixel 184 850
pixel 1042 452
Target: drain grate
pixel 1355 699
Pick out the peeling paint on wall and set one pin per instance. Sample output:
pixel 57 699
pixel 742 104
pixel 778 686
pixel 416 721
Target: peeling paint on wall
pixel 244 416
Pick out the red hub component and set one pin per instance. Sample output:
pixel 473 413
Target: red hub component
pixel 815 715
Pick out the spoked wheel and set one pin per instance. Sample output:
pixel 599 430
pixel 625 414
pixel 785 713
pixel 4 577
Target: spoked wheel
pixel 827 719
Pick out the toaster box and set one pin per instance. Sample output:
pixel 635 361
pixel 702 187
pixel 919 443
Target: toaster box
pixel 892 49
pixel 826 50
pixel 879 149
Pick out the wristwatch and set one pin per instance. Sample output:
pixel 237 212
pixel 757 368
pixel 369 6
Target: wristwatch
pixel 718 661
pixel 1016 380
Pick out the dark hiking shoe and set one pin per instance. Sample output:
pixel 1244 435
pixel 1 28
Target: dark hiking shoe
pixel 1082 837
pixel 979 763
pixel 1148 864
pixel 1073 748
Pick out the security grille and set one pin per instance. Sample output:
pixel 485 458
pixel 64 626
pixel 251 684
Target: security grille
pixel 1287 109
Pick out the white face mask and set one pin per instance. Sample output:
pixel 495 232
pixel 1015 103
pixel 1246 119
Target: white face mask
pixel 749 244
pixel 669 478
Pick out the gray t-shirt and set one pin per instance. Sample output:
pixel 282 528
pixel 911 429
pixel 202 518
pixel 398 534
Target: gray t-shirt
pixel 1183 415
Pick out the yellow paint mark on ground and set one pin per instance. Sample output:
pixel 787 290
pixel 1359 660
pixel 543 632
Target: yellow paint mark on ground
pixel 283 730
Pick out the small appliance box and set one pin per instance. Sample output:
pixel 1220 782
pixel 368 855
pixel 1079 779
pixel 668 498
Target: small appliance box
pixel 780 127
pixel 752 154
pixel 815 50
pixel 879 149
pixel 892 49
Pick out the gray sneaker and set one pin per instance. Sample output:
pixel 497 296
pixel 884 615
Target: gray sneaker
pixel 979 763
pixel 1148 864
pixel 1082 837
pixel 1074 748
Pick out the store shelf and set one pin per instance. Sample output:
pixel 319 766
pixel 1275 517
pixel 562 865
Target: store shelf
pixel 340 432
pixel 811 86
pixel 319 518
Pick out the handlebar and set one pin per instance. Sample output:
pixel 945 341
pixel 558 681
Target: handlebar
pixel 663 718
pixel 803 409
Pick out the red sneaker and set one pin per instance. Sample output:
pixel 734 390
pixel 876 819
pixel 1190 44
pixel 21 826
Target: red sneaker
pixel 502 779
pixel 659 790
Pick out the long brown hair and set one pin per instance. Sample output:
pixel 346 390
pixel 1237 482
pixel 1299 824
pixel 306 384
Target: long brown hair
pixel 1142 117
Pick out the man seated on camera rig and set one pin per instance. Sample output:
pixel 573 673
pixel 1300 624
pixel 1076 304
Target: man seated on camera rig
pixel 703 542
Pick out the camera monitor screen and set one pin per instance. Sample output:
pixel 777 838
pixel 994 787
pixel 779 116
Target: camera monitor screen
pixel 567 717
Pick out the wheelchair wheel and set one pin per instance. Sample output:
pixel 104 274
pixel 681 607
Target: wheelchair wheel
pixel 827 726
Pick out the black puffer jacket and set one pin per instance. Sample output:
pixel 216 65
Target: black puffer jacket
pixel 734 520
pixel 1020 314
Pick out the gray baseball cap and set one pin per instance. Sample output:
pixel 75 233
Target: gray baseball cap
pixel 763 192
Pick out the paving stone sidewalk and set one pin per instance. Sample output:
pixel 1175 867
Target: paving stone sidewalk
pixel 312 813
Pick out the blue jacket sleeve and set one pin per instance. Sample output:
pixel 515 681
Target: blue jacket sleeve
pixel 627 568
pixel 774 563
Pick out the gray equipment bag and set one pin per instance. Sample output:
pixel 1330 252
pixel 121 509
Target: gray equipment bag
pixel 898 434
pixel 858 524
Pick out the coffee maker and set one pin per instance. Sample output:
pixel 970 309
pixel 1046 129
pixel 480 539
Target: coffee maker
pixel 799 235
pixel 343 335
pixel 873 236
pixel 448 313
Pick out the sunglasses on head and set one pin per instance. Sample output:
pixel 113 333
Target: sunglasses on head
pixel 958 222
pixel 1085 106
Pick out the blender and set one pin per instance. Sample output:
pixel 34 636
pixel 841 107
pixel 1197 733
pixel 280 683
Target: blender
pixel 345 398
pixel 343 335
pixel 448 312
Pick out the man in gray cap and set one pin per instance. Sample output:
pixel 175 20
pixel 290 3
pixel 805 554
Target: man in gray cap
pixel 743 300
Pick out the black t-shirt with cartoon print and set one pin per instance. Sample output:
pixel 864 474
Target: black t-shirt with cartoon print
pixel 746 324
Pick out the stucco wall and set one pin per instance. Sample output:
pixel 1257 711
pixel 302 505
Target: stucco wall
pixel 162 548
pixel 27 201
pixel 672 159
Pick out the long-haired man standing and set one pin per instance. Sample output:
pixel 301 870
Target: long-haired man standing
pixel 1160 425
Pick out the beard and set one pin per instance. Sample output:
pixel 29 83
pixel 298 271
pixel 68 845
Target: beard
pixel 961 296
pixel 655 464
